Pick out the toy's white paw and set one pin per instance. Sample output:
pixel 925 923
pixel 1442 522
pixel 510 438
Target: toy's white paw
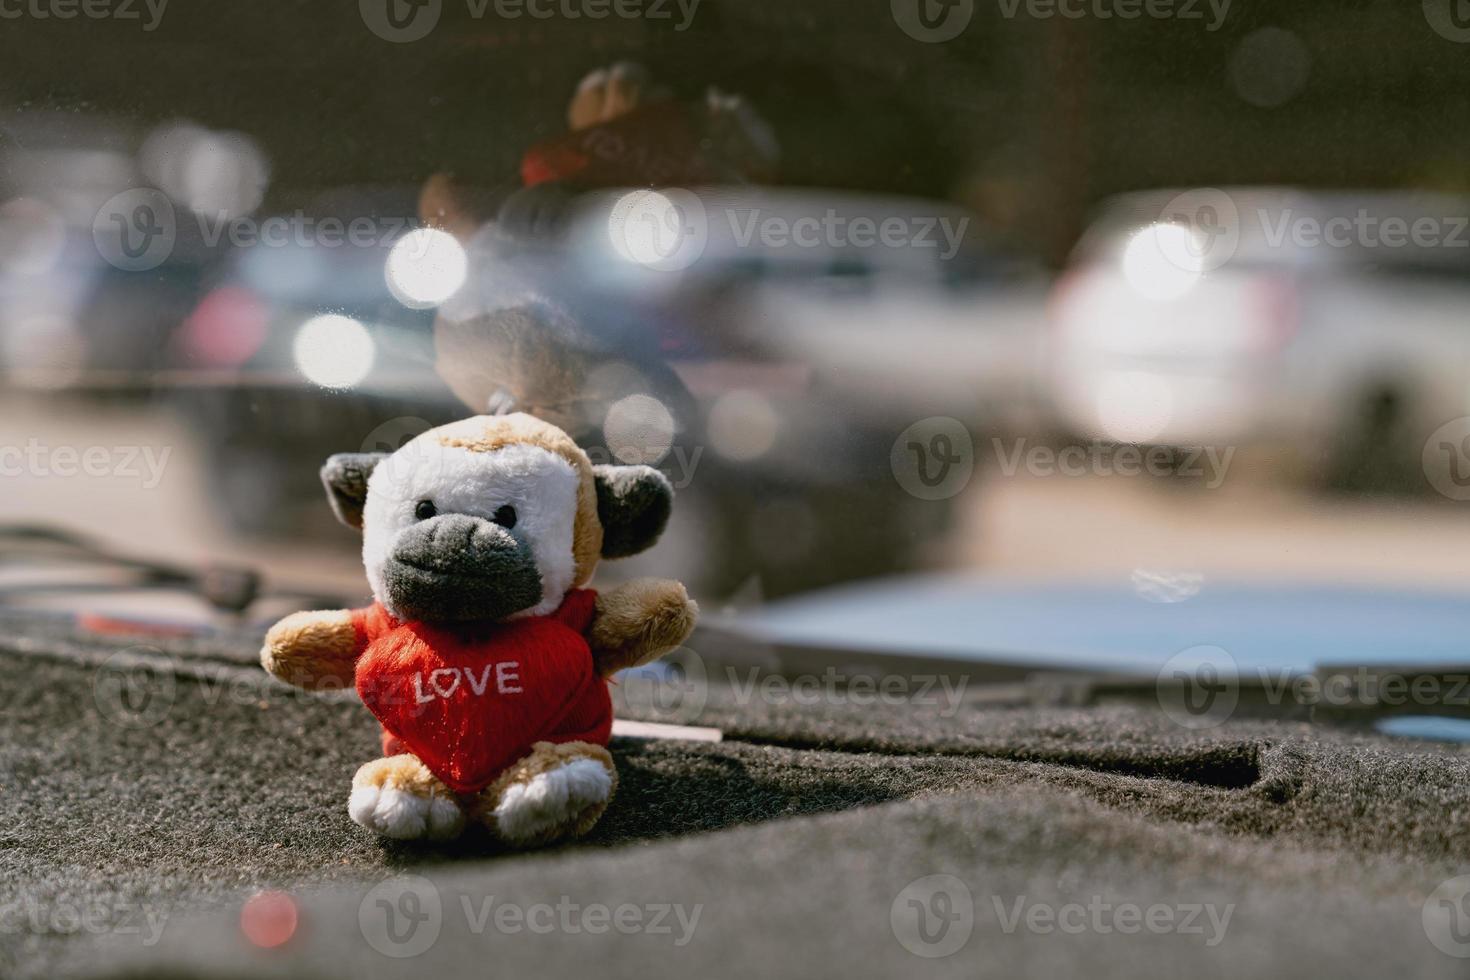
pixel 399 798
pixel 404 816
pixel 550 800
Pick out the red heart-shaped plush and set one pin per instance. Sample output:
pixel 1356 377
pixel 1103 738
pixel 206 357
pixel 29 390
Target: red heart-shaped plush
pixel 469 702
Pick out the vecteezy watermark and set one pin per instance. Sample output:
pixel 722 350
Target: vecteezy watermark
pixel 1184 10
pixel 68 913
pixel 669 229
pixel 135 688
pixel 1201 688
pixel 1362 229
pixel 834 687
pixel 138 687
pixel 933 916
pixel 137 230
pixel 831 230
pixel 147 13
pixel 1098 916
pixel 571 917
pixel 41 460
pixel 405 21
pixel 401 917
pixel 404 916
pixel 673 689
pixel 932 21
pixel 1201 229
pixel 1449 19
pixel 1446 917
pixel 1209 463
pixel 937 21
pixel 679 465
pixel 1446 459
pixel 934 458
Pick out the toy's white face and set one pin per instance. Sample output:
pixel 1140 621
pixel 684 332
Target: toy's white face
pixel 455 534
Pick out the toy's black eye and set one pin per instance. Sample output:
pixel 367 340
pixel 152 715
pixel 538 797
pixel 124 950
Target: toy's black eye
pixel 506 517
pixel 425 510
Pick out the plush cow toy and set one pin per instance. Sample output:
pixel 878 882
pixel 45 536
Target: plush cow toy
pixel 484 656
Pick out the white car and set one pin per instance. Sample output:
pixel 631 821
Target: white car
pixel 1336 326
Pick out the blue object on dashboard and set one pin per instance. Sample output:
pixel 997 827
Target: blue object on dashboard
pixel 1281 627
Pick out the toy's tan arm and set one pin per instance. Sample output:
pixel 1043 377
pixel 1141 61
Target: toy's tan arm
pixel 639 622
pixel 314 650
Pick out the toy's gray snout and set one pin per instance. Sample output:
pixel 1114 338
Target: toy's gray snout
pixel 460 567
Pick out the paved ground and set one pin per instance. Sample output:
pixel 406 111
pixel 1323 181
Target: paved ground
pixel 1103 527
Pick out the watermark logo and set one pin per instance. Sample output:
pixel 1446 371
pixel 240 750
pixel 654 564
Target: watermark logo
pixel 1101 917
pixel 39 460
pixel 400 21
pixel 934 458
pixel 834 687
pixel 401 917
pixel 1450 19
pixel 1446 917
pixel 932 21
pixel 665 230
pixel 1105 459
pixel 933 916
pixel 133 689
pixel 674 688
pixel 136 229
pixel 1446 459
pixel 411 462
pixel 148 13
pixel 836 232
pixel 406 21
pixel 669 230
pixel 1211 221
pixel 1183 10
pixel 70 913
pixel 574 918
pixel 1362 230
pixel 1199 687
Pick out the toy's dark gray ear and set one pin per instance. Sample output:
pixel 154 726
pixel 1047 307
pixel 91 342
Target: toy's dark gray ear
pixel 345 476
pixel 633 504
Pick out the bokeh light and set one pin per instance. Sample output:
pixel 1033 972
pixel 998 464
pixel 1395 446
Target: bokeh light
pixel 1163 261
pixel 334 351
pixel 219 174
pixel 225 329
pixel 269 919
pixel 426 267
pixel 639 429
pixel 742 425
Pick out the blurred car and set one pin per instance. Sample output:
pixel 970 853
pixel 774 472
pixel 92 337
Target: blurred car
pixel 1329 325
pixel 68 315
pixel 785 311
pixel 839 280
pixel 775 428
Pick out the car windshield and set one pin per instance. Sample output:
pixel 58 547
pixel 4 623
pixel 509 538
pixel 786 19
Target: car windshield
pixel 1003 334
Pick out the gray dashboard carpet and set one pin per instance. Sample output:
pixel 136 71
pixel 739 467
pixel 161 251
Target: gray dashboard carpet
pixel 138 817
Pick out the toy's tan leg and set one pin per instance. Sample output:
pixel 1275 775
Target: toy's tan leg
pixel 399 797
pixel 556 792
